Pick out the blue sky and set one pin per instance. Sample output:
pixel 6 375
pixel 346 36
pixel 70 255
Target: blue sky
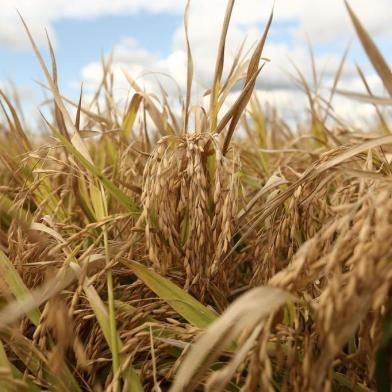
pixel 147 36
pixel 79 42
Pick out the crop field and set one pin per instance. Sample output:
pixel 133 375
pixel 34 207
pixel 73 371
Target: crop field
pixel 206 248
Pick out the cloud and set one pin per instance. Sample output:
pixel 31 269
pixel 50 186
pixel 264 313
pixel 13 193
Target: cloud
pixel 328 21
pixel 324 21
pixel 41 14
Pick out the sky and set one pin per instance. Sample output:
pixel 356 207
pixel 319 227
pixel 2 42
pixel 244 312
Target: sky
pixel 146 38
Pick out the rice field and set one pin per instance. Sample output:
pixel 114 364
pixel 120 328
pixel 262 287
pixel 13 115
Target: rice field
pixel 213 248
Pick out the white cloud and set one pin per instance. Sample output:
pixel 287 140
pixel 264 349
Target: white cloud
pixel 322 20
pixel 41 14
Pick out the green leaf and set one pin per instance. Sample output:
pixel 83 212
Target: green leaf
pixel 37 363
pixel 16 285
pixel 130 117
pixel 15 373
pixel 342 380
pixel 102 315
pixel 183 303
pixel 116 192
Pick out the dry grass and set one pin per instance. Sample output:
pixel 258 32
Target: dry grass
pixel 120 242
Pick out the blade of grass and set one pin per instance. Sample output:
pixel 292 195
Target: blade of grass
pixel 103 318
pixel 163 127
pixel 382 101
pixel 182 302
pixel 248 312
pixel 4 365
pixel 369 91
pixel 17 126
pixel 119 195
pixel 376 58
pixel 220 60
pixel 37 363
pixel 99 309
pixel 250 81
pixel 101 212
pixel 75 139
pixel 335 83
pixel 342 380
pixel 130 116
pixel 189 75
pixel 16 285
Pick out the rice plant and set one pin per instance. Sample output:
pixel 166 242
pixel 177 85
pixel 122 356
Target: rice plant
pixel 214 249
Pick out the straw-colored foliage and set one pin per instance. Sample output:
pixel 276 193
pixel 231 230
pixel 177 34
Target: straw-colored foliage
pixel 216 249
